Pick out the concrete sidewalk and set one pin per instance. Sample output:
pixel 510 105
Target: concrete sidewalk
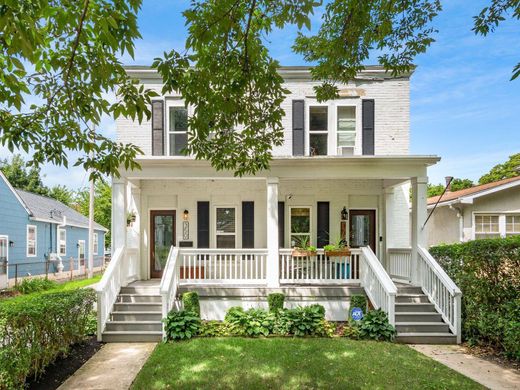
pixel 113 367
pixel 482 371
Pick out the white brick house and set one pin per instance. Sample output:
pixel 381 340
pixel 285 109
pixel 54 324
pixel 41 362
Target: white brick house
pixel 343 172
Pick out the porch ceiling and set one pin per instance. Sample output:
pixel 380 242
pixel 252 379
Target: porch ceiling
pixel 321 167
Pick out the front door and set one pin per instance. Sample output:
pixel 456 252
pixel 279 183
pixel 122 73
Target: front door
pixel 4 257
pixel 363 228
pixel 162 238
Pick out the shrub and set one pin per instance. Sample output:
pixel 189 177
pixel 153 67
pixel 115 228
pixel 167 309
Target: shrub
pixel 28 286
pixel 252 323
pixel 488 273
pixel 275 301
pixel 181 325
pixel 38 329
pixel 375 326
pixel 360 301
pixel 190 301
pixel 303 321
pixel 214 329
pixel 351 331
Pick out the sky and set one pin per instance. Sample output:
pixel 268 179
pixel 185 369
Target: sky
pixel 463 106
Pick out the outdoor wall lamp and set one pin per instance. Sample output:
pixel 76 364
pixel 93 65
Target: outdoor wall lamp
pixel 185 215
pixel 185 225
pixel 344 214
pixel 11 244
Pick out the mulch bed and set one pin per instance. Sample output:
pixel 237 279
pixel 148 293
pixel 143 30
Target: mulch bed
pixel 492 355
pixel 64 367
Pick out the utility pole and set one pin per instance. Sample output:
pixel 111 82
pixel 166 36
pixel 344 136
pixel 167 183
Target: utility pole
pixel 91 226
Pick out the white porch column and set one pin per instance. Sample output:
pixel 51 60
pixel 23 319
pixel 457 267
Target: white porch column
pixel 119 210
pixel 273 266
pixel 419 214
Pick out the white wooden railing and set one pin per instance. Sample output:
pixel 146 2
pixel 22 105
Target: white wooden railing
pixel 319 268
pixel 377 283
pixel 169 283
pixel 241 266
pixel 399 263
pixel 441 290
pixel 107 289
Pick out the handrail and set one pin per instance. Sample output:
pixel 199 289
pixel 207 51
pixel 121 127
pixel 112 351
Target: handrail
pixel 108 288
pixel 441 290
pixel 377 283
pixel 169 283
pixel 210 251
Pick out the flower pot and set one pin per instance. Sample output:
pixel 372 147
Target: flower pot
pixel 302 253
pixel 339 252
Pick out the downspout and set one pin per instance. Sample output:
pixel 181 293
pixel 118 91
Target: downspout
pixel 460 216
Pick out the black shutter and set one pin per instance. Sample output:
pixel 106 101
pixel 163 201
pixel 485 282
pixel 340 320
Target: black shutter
pixel 323 224
pixel 281 224
pixel 202 224
pixel 248 224
pixel 368 126
pixel 298 120
pixel 157 128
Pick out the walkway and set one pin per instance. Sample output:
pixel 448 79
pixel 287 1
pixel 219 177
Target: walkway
pixel 113 367
pixel 482 371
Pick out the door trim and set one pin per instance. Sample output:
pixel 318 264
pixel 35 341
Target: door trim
pixel 374 227
pixel 6 282
pixel 153 213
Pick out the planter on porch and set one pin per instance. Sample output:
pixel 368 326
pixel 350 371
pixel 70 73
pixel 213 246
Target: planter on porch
pixel 338 252
pixel 303 253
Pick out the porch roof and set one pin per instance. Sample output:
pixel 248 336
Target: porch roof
pixel 291 167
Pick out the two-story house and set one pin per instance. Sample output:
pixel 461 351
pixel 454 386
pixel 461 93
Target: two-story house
pixel 344 172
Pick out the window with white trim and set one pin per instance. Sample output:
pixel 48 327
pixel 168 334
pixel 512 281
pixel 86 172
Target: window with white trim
pixel 487 226
pixel 512 225
pixel 318 130
pixel 62 242
pixel 300 224
pixel 346 130
pixel 96 243
pixel 177 130
pixel 225 227
pixel 31 240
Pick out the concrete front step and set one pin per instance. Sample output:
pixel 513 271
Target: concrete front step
pixel 138 298
pixel 136 316
pixel 411 298
pixel 141 290
pixel 131 326
pixel 133 337
pixel 426 338
pixel 421 327
pixel 418 317
pixel 139 306
pixel 414 307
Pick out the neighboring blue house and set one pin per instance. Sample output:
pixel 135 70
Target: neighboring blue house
pixel 35 229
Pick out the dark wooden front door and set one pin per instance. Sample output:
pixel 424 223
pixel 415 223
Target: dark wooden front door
pixel 162 231
pixel 363 228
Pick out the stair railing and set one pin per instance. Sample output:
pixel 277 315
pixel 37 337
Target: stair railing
pixel 107 290
pixel 441 290
pixel 169 283
pixel 378 286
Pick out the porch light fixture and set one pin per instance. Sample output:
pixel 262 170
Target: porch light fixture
pixel 185 215
pixel 344 214
pixel 11 244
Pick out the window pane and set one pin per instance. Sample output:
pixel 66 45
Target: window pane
pixel 226 241
pixel 347 119
pixel 318 143
pixel 178 119
pixel 177 143
pixel 346 139
pixel 225 220
pixel 300 220
pixel 318 118
pixel 300 240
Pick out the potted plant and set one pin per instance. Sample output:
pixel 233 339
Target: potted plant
pixel 303 248
pixel 339 249
pixel 130 218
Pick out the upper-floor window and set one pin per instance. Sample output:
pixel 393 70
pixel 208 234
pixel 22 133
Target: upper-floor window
pixel 31 240
pixel 177 130
pixel 318 130
pixel 346 130
pixel 62 242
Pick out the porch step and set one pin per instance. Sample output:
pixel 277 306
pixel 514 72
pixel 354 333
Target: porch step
pixel 426 338
pixel 415 307
pixel 139 306
pixel 138 298
pixel 408 289
pixel 131 336
pixel 140 290
pixel 412 298
pixel 136 316
pixel 418 317
pixel 421 327
pixel 132 326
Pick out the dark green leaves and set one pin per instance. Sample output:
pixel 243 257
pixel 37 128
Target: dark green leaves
pixel 181 325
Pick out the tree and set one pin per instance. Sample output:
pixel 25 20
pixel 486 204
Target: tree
pixel 22 177
pixel 102 205
pixel 511 168
pixel 456 185
pixel 225 71
pixel 62 194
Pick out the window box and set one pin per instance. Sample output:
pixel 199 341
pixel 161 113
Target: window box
pixel 338 252
pixel 297 252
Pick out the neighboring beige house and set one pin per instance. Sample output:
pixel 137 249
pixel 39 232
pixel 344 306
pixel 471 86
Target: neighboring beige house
pixel 484 211
pixel 343 171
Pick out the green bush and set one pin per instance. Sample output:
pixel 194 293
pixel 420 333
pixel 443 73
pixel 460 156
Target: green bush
pixel 190 301
pixel 181 325
pixel 488 273
pixel 35 331
pixel 252 323
pixel 214 329
pixel 303 321
pixel 28 286
pixel 375 326
pixel 275 301
pixel 358 300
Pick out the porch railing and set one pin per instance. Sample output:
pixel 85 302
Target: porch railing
pixel 377 284
pixel 441 290
pixel 399 263
pixel 222 266
pixel 319 268
pixel 169 283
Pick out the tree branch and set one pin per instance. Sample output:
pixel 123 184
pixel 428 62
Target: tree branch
pixel 76 41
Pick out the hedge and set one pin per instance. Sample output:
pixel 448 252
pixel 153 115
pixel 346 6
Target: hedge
pixel 36 330
pixel 190 301
pixel 488 273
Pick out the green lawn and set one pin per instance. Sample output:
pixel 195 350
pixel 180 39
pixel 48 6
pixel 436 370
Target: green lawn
pixel 287 363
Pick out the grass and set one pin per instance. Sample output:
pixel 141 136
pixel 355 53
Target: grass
pixel 287 363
